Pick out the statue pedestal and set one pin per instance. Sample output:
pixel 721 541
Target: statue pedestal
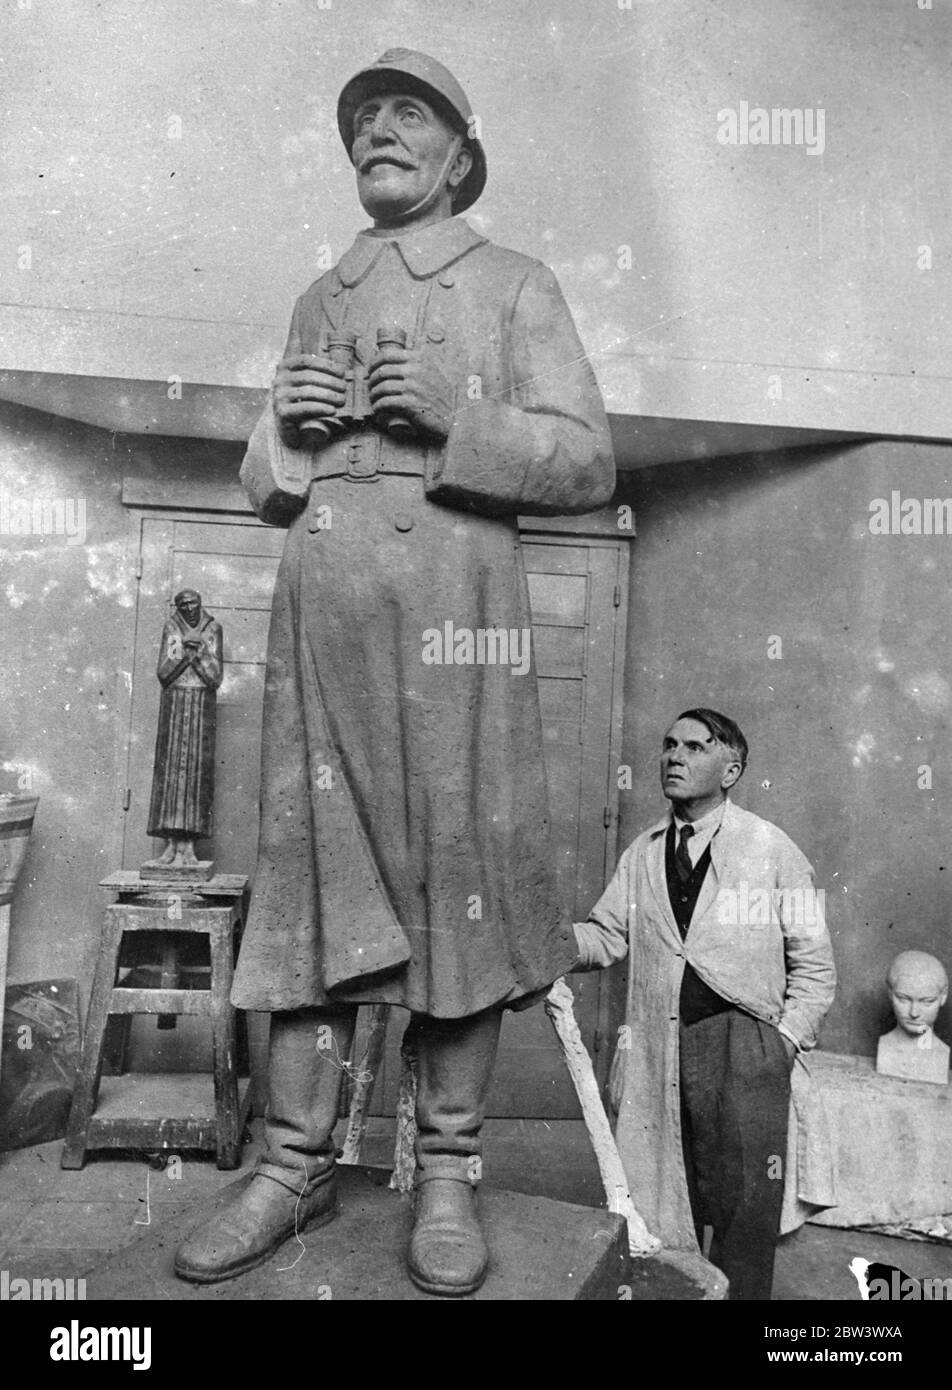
pixel 150 1110
pixel 892 1143
pixel 913 1059
pixel 541 1250
pixel 157 870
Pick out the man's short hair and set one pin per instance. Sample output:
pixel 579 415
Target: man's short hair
pixel 722 729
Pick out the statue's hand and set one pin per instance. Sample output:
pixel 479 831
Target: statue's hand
pixel 305 388
pixel 406 382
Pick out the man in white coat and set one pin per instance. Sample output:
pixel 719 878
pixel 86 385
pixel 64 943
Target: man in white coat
pixel 730 975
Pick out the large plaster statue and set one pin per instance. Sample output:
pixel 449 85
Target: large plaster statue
pixel 183 780
pixel 918 987
pixel 433 388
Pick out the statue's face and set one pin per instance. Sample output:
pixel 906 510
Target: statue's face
pixel 917 991
pixel 693 764
pixel 190 607
pixel 403 155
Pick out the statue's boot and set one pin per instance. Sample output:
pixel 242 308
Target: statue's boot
pixel 251 1227
pixel 294 1185
pixel 448 1253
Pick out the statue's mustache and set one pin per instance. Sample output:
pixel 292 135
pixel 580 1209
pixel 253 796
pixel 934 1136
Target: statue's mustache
pixel 384 157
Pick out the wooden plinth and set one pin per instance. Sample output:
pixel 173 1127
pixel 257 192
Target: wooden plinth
pixel 540 1251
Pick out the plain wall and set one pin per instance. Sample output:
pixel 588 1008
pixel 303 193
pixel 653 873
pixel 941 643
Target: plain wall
pixel 732 553
pixel 67 627
pixel 174 178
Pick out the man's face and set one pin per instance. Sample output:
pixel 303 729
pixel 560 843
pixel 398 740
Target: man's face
pixel 917 993
pixel 693 763
pixel 400 152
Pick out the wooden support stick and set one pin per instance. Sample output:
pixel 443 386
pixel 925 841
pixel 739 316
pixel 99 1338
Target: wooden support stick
pixel 367 1071
pixel 559 1005
pixel 404 1157
pixel 4 947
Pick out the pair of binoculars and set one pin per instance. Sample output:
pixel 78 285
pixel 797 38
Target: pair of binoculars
pixel 342 350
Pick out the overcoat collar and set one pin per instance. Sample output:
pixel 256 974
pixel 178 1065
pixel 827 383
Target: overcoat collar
pixel 723 847
pixel 425 252
pixel 186 627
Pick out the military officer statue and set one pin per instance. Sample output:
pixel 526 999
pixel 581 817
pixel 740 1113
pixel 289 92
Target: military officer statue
pixel 433 388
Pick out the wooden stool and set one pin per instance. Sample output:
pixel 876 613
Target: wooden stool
pixel 176 1110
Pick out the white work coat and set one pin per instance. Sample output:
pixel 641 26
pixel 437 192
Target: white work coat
pixel 758 937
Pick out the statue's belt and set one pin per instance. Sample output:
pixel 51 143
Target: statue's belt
pixel 361 465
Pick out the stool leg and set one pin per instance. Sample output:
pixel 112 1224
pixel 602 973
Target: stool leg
pixel 171 978
pixel 86 1090
pixel 241 1019
pixel 115 1049
pixel 224 1044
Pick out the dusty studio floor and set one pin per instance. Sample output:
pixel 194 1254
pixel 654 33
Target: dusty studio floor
pixel 57 1224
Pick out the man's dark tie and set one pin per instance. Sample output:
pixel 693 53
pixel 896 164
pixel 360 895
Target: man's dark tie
pixel 682 859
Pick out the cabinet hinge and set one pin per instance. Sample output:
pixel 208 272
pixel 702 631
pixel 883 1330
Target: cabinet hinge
pixel 126 798
pixel 616 596
pixel 597 1040
pixel 607 817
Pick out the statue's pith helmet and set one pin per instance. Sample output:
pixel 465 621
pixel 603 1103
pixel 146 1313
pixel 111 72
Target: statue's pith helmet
pixel 406 70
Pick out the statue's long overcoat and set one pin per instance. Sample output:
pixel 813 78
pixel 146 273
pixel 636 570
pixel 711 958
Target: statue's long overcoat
pixel 183 779
pixel 404 849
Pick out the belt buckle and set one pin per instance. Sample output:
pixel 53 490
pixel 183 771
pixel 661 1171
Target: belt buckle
pixel 359 468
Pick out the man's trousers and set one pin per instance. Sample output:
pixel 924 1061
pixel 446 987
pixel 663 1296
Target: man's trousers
pixel 735 1102
pixel 308 1050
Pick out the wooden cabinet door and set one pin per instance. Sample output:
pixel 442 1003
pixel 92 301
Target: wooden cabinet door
pixel 577 587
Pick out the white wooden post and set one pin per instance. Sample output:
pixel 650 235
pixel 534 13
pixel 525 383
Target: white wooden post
pixel 560 1006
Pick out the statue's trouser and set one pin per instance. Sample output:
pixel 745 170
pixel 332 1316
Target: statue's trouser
pixel 455 1060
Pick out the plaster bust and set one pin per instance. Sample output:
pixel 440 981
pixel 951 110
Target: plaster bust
pixel 918 986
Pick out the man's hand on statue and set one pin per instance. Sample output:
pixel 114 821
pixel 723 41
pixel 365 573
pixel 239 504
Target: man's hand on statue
pixel 405 382
pixel 306 388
